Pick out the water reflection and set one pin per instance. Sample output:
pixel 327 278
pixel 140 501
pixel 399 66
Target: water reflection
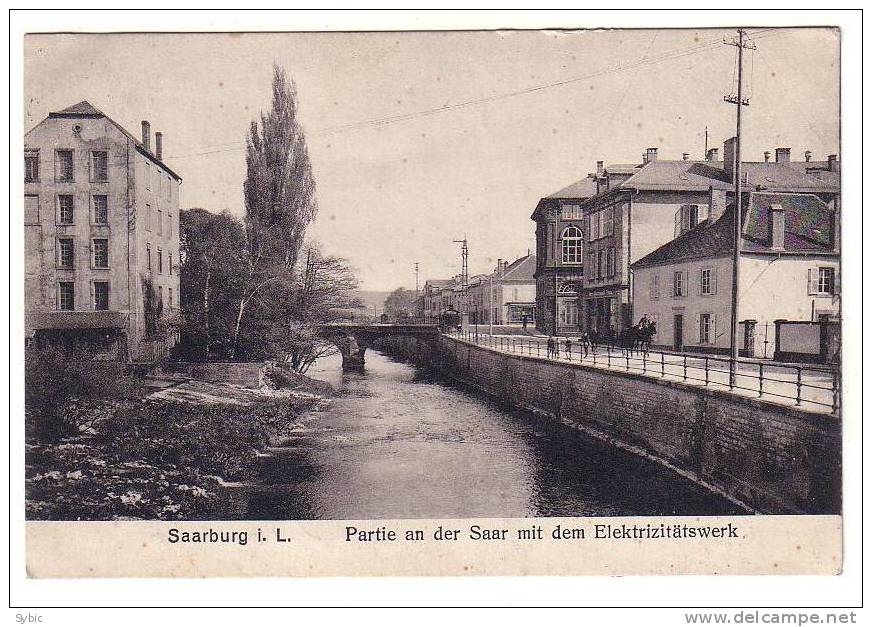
pixel 397 443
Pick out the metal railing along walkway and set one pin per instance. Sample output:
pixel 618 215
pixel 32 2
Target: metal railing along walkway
pixel 810 387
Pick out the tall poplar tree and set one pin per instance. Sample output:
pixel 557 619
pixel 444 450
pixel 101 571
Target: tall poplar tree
pixel 279 194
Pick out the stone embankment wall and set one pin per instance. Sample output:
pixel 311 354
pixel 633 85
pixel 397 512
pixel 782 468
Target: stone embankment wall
pixel 246 374
pixel 768 457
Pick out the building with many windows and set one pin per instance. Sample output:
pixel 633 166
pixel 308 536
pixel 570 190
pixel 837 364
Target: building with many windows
pixel 638 208
pixel 559 273
pixel 101 224
pixel 788 270
pixel 590 233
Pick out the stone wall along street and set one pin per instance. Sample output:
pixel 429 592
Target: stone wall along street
pixel 770 458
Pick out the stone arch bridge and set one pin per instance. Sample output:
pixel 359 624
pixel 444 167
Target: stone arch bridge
pixel 353 339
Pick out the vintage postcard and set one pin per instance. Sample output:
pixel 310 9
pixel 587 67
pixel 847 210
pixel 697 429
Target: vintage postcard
pixel 450 302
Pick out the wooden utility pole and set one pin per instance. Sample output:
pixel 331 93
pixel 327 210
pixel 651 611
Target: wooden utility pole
pixel 464 279
pixel 740 43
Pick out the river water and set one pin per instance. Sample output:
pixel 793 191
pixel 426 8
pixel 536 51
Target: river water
pixel 398 443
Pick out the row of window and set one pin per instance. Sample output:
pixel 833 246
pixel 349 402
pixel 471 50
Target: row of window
pixel 100 255
pixel 821 281
pixel 100 293
pixel 98 169
pixel 160 260
pixel 601 264
pixel 707 283
pixel 66 212
pixel 64 170
pixel 164 184
pixel 600 224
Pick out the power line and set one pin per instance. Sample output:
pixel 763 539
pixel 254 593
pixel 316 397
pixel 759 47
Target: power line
pixel 667 56
pixel 383 121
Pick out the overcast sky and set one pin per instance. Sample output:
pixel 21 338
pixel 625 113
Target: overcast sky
pixel 393 194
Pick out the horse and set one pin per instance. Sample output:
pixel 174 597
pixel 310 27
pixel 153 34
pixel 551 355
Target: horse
pixel 627 338
pixel 645 335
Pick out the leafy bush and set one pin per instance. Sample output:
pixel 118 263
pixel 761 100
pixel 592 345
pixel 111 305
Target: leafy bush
pixel 56 376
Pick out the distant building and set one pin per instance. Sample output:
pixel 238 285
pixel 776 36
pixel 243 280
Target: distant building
pixel 101 216
pixel 559 273
pixel 507 296
pixel 431 298
pixel 789 269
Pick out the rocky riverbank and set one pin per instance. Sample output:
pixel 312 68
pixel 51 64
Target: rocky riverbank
pixel 165 453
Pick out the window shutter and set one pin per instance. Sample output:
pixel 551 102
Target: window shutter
pixel 714 328
pixel 699 283
pixel 714 281
pixel 812 281
pixel 684 285
pixel 837 281
pixel 701 325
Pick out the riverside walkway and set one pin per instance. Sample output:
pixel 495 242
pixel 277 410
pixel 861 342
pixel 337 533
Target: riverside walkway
pixel 809 387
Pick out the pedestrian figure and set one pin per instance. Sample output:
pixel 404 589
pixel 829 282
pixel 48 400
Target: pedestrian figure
pixel 584 341
pixel 556 348
pixel 525 322
pixel 550 346
pixel 568 347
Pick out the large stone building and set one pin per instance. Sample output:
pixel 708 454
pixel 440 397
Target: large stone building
pixel 788 270
pixel 101 215
pixel 626 211
pixel 559 270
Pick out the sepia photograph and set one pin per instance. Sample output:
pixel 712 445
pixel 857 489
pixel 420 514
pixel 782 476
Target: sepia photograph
pixel 563 285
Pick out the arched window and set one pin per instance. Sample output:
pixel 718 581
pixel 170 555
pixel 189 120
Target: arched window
pixel 566 288
pixel 571 242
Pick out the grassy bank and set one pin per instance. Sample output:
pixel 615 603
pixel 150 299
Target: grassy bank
pixel 114 452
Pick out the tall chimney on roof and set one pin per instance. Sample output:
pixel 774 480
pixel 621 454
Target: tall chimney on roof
pixel 767 156
pixel 644 158
pixel 807 156
pixel 685 156
pixel 776 227
pixel 158 145
pixel 730 159
pixel 717 203
pixel 712 154
pixel 146 135
pixel 599 169
pixel 499 268
pixel 782 155
pixel 651 154
pixel 833 163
